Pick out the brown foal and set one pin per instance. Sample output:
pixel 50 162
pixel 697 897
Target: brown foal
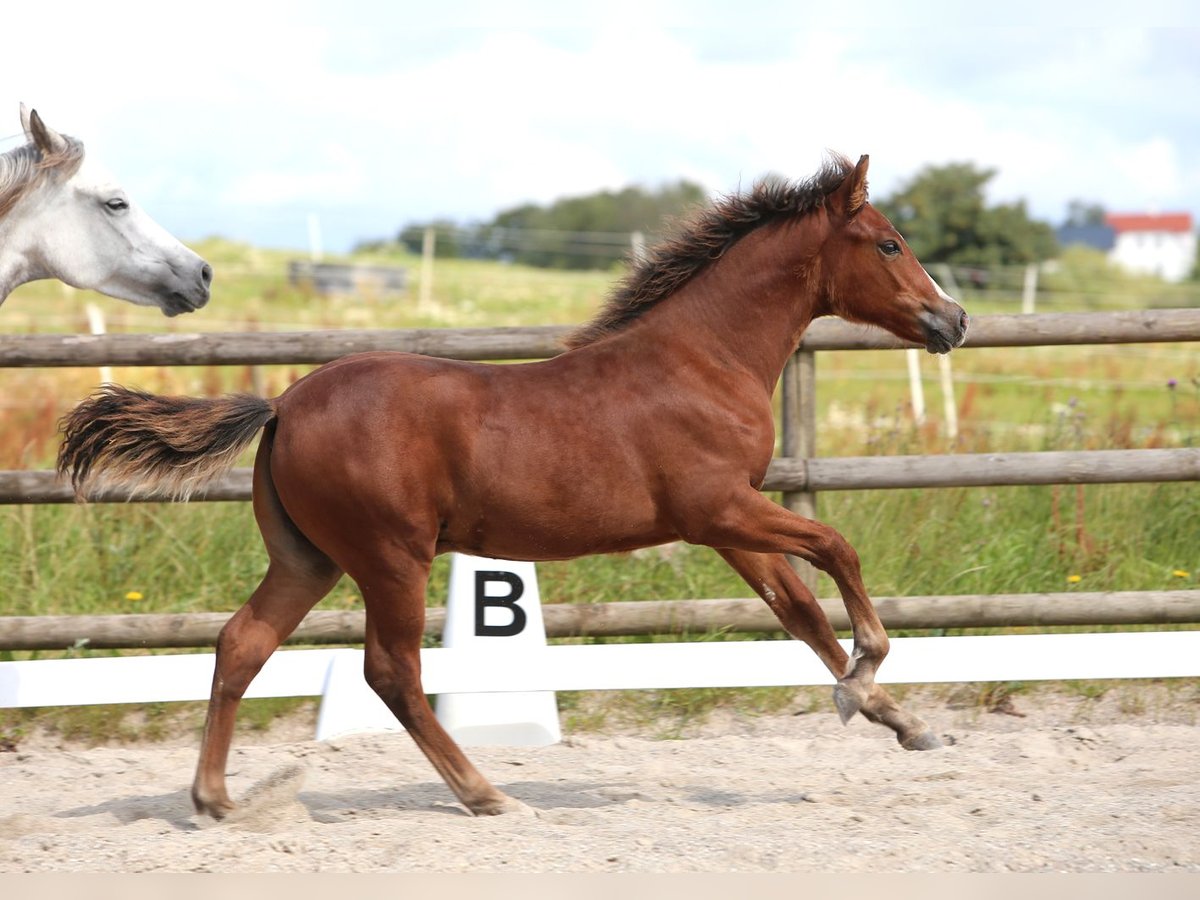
pixel 654 426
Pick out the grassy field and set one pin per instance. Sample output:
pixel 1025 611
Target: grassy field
pixel 198 557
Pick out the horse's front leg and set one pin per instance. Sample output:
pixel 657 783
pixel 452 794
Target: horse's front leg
pixel 745 520
pixel 394 594
pixel 773 578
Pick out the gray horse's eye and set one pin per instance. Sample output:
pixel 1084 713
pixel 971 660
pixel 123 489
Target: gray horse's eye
pixel 117 204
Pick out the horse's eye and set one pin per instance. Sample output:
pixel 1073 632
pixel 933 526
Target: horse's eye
pixel 890 248
pixel 117 204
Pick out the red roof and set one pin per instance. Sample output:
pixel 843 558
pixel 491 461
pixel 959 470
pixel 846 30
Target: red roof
pixel 1175 222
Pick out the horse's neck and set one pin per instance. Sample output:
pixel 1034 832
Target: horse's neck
pixel 18 264
pixel 746 311
pixel 14 267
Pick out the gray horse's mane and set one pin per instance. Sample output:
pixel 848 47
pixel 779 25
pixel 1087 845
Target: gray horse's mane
pixel 26 167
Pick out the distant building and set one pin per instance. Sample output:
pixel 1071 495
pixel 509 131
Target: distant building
pixel 1162 244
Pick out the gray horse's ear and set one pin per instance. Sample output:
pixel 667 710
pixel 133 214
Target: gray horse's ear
pixel 25 122
pixel 49 141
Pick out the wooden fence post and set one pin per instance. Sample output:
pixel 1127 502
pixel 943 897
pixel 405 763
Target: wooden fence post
pixel 428 245
pixel 1029 290
pixel 799 414
pixel 96 325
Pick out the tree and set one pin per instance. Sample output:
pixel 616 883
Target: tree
pixel 589 231
pixel 943 214
pixel 1082 214
pixel 585 232
pixel 448 243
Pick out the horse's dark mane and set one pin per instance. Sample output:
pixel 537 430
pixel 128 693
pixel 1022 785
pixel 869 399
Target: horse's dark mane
pixel 24 167
pixel 704 238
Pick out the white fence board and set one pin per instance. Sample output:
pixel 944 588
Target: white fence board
pixel 294 673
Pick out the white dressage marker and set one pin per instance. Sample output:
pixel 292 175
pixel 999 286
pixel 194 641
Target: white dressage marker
pixel 64 216
pixel 495 607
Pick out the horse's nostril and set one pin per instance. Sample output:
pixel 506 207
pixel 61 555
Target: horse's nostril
pixel 964 320
pixel 206 274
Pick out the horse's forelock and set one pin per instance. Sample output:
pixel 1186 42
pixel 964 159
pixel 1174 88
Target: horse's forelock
pixel 25 168
pixel 65 162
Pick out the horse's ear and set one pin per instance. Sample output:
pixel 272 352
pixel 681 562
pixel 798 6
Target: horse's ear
pixel 49 141
pixel 25 122
pixel 850 196
pixel 858 185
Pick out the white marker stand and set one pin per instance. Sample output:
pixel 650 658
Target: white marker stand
pixel 494 606
pixel 348 705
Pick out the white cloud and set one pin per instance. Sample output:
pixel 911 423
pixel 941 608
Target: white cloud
pixel 1151 169
pixel 335 174
pixel 363 112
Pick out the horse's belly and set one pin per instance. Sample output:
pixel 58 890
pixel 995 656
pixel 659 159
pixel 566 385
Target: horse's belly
pixel 542 524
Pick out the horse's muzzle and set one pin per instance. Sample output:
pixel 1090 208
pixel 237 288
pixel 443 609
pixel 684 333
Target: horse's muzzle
pixel 190 297
pixel 944 333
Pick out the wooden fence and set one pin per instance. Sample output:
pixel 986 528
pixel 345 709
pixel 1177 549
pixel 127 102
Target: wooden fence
pixel 266 348
pixel 630 618
pixel 798 473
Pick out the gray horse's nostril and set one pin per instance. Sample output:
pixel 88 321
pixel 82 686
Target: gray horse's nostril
pixel 206 274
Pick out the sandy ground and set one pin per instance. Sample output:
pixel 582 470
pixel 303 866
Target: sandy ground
pixel 1075 784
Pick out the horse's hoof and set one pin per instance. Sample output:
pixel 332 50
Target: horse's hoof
pixel 218 812
pixel 502 806
pixel 216 808
pixel 926 740
pixel 846 701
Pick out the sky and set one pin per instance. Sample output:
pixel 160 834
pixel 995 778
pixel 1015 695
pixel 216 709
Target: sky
pixel 247 119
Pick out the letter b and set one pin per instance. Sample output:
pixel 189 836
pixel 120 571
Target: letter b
pixel 509 602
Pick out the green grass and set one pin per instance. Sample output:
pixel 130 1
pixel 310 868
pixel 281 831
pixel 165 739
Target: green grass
pixel 204 557
pixel 60 560
pixel 129 723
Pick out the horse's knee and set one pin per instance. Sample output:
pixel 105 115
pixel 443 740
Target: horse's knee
pixel 829 551
pixel 871 644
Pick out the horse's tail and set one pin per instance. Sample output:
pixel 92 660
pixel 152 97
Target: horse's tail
pixel 169 446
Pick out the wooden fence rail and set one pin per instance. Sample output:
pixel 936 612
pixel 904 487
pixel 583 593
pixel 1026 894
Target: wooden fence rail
pixel 620 619
pixel 843 473
pixel 301 347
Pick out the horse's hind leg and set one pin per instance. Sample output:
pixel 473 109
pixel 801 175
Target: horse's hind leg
pixel 298 576
pixel 773 578
pixel 395 600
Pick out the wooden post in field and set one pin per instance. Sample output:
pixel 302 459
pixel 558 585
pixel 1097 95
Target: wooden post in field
pixel 915 388
pixel 96 325
pixel 1029 291
pixel 949 407
pixel 428 245
pixel 637 247
pixel 799 413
